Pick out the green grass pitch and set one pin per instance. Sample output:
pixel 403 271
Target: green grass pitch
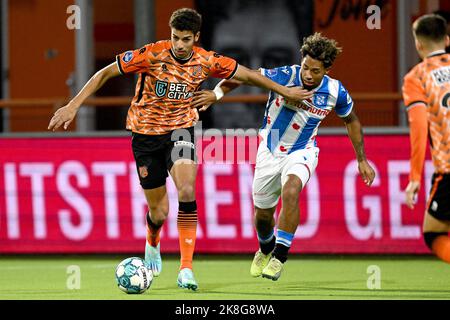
pixel 228 278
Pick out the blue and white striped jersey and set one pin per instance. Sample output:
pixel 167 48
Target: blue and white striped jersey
pixel 289 126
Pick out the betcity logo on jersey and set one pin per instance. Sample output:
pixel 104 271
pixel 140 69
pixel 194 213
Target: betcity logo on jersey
pixel 172 90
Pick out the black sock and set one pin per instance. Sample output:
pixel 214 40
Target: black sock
pixel 281 252
pixel 267 247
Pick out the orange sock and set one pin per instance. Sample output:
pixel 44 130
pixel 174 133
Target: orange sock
pixel 441 248
pixel 187 232
pixel 153 232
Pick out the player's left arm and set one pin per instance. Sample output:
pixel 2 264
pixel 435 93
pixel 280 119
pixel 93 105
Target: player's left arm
pixel 415 99
pixel 355 133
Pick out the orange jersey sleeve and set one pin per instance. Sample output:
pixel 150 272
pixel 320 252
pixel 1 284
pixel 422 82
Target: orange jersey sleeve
pixel 413 90
pixel 222 67
pixel 418 124
pixel 134 61
pixel 415 99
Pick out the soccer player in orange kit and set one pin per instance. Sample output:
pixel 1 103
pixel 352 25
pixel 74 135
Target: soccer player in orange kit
pixel 426 93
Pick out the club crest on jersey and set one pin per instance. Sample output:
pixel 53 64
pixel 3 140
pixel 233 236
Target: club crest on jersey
pixel 272 72
pixel 196 71
pixel 128 56
pixel 320 100
pixel 161 88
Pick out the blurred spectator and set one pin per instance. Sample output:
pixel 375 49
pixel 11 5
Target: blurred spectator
pixel 263 33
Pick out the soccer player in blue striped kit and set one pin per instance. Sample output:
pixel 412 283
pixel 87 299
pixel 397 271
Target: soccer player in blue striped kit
pixel 288 153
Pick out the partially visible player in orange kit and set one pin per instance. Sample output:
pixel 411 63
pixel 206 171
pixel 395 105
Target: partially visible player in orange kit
pixel 426 92
pixel 162 121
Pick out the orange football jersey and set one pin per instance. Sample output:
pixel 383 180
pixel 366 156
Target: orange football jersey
pixel 427 86
pixel 166 84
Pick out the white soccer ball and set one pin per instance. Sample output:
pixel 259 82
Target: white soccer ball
pixel 133 275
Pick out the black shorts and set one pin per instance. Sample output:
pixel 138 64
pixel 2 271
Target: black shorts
pixel 439 202
pixel 156 154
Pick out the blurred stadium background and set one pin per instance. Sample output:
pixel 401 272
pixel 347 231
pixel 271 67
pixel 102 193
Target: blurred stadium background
pixel 77 191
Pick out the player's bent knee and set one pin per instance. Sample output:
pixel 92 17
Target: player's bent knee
pixel 186 193
pixel 159 215
pixel 290 194
pixel 429 238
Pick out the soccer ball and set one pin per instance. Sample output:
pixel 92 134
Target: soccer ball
pixel 133 275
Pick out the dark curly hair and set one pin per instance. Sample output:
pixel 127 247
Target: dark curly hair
pixel 186 19
pixel 320 48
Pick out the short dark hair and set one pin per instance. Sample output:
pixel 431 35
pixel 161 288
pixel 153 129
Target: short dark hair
pixel 320 48
pixel 186 19
pixel 431 27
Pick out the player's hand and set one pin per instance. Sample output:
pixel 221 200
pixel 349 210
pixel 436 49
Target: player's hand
pixel 63 116
pixel 203 99
pixel 366 171
pixel 411 192
pixel 297 94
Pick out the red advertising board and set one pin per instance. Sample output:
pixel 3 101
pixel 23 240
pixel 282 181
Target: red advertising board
pixel 82 195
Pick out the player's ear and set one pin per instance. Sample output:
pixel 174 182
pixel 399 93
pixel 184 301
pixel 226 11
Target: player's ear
pixel 419 46
pixel 197 36
pixel 447 41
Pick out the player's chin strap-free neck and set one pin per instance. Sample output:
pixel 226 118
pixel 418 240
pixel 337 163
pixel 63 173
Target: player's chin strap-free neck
pixel 180 60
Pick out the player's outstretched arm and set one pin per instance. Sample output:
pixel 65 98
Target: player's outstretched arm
pixel 65 115
pixel 255 78
pixel 355 133
pixel 205 98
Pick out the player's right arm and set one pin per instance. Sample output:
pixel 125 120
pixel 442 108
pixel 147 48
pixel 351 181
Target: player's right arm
pixel 415 99
pixel 274 80
pixel 65 115
pixel 205 98
pixel 255 78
